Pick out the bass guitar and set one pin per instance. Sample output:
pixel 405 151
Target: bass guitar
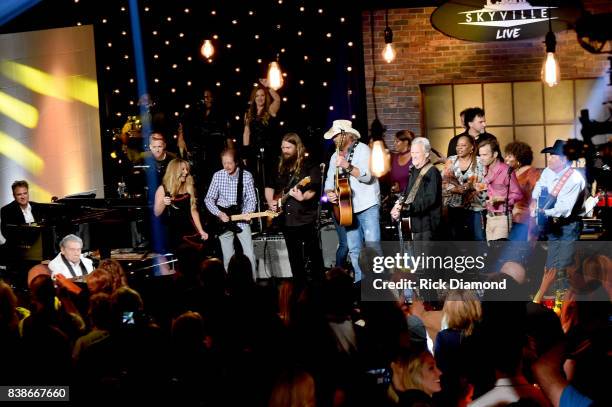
pixel 282 198
pixel 343 208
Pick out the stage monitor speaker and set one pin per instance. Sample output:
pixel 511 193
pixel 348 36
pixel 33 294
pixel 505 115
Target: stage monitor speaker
pixel 329 244
pixel 271 257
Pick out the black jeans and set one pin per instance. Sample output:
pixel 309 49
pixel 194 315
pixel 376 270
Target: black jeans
pixel 302 247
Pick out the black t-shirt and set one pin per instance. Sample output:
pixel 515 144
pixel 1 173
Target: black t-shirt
pixel 296 213
pixel 452 144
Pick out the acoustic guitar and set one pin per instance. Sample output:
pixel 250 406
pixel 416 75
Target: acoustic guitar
pixel 282 198
pixel 343 208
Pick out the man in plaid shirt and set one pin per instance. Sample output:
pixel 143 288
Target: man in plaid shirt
pixel 222 192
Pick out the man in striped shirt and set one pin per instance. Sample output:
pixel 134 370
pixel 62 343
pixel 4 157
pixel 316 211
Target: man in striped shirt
pixel 222 194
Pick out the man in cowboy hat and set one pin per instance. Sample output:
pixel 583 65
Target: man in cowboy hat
pixel 565 188
pixel 354 160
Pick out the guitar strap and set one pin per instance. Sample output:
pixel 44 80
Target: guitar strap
pixel 239 189
pixel 351 151
pixel 415 188
pixel 562 182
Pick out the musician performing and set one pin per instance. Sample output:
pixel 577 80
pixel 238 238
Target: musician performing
pixel 353 190
pixel 232 192
pixel 292 190
pixel 560 191
pixel 70 263
pixel 421 201
pixel 21 211
pixel 175 199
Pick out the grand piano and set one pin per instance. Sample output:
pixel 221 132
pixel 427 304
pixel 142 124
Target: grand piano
pixel 102 223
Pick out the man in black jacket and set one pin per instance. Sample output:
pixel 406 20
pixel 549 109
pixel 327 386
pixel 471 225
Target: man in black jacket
pixel 423 194
pixel 21 211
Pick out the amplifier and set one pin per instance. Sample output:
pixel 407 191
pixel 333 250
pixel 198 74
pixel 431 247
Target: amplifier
pixel 329 244
pixel 271 257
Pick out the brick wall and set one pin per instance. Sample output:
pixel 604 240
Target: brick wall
pixel 426 56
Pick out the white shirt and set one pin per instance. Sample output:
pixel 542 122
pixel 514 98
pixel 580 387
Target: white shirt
pixel 27 214
pixel 365 188
pixel 57 266
pixel 569 194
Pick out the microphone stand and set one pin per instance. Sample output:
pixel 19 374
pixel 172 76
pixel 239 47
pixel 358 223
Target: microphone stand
pixel 510 169
pixel 319 205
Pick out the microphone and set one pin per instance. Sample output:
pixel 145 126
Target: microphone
pixel 322 167
pixel 510 169
pixel 170 196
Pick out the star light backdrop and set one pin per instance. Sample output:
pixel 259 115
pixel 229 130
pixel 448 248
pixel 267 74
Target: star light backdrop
pixel 319 50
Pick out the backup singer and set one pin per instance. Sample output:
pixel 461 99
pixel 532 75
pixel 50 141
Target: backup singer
pixel 354 158
pixel 475 126
pixel 300 208
pixel 563 218
pixel 224 193
pixel 463 192
pixel 424 205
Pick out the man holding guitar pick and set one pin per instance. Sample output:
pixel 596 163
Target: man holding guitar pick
pixel 293 190
pixel 353 190
pixel 232 192
pixel 560 191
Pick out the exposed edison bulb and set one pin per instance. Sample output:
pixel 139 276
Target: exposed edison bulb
pixel 379 159
pixel 551 75
pixel 207 49
pixel 389 52
pixel 275 76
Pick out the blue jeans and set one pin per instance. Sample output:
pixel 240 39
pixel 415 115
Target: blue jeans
pixel 466 225
pixel 343 249
pixel 365 227
pixel 561 249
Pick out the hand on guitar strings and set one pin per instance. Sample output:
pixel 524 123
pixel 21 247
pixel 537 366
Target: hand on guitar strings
pixel 273 205
pixel 395 212
pixel 332 197
pixel 223 216
pixel 296 194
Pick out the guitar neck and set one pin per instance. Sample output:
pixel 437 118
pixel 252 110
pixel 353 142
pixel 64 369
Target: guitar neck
pixel 253 215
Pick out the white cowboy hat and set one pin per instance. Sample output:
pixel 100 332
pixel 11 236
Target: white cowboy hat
pixel 338 127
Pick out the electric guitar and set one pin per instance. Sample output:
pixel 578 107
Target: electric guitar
pixel 343 208
pixel 221 227
pixel 282 198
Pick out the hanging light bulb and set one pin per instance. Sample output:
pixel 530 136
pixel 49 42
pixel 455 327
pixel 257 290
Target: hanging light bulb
pixel 551 74
pixel 389 51
pixel 275 76
pixel 379 158
pixel 207 49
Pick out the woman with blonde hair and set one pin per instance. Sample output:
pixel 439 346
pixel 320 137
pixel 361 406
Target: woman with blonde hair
pixel 415 379
pixel 175 199
pixel 462 311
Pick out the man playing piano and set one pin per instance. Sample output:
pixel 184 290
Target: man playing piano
pixel 70 262
pixel 21 211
